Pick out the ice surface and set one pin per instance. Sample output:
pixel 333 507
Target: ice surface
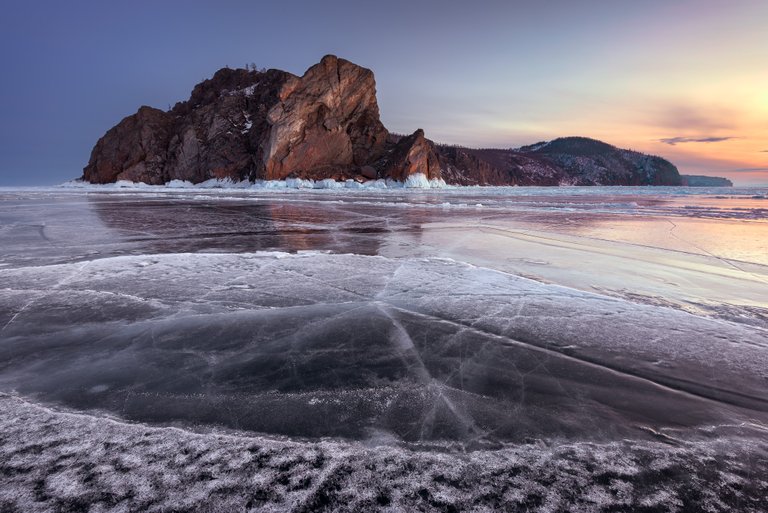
pixel 347 345
pixel 383 333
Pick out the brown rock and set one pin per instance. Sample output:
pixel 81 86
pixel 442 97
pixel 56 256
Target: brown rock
pixel 248 124
pixel 328 117
pixel 412 154
pixel 133 150
pixel 369 172
pixel 244 124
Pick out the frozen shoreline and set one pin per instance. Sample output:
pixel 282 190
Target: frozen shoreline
pixel 415 183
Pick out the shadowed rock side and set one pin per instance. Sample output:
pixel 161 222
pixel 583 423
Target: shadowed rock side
pixel 247 125
pixel 412 154
pixel 590 162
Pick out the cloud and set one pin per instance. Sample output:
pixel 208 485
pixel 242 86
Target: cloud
pixel 750 169
pixel 677 140
pixel 692 118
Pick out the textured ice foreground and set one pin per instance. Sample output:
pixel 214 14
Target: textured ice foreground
pixel 53 461
pixel 369 348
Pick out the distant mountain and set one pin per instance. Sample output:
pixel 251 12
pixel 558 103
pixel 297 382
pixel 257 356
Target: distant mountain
pixel 248 124
pixel 705 181
pixel 563 161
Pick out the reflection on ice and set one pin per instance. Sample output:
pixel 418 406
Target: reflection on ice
pixel 354 346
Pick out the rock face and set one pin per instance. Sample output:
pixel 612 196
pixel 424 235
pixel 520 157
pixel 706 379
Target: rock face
pixel 133 150
pixel 410 155
pixel 564 161
pixel 247 125
pixel 326 121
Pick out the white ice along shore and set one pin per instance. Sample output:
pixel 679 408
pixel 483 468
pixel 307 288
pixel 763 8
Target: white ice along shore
pixel 414 181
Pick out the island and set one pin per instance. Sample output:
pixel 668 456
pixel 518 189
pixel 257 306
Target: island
pixel 250 124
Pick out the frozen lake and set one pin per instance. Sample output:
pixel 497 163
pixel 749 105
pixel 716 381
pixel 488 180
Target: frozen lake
pixel 419 324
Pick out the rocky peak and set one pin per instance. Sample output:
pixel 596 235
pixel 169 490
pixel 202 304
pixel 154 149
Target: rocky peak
pixel 247 124
pixel 133 150
pixel 326 119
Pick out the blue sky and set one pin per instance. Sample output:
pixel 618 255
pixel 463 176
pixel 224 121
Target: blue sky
pixel 683 79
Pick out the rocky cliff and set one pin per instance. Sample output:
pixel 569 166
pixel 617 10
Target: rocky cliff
pixel 244 124
pixel 247 125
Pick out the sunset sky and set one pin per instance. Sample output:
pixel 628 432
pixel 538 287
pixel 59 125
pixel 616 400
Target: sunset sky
pixel 684 79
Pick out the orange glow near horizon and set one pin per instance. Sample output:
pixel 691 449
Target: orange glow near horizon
pixel 689 84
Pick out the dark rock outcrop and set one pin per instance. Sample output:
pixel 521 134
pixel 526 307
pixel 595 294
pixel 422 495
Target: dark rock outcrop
pixel 590 162
pixel 705 181
pixel 247 124
pixel 564 161
pixel 467 166
pixel 133 150
pixel 410 155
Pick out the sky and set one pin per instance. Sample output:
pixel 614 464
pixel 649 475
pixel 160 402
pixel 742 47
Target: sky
pixel 683 79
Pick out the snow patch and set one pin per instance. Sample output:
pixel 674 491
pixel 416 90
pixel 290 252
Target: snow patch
pixel 223 183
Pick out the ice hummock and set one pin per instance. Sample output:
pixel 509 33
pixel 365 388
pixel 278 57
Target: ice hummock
pixel 414 181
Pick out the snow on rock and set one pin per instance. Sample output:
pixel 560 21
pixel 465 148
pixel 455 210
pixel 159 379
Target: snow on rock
pixel 299 183
pixel 352 184
pixel 420 181
pixel 375 184
pixel 417 181
pixel 223 183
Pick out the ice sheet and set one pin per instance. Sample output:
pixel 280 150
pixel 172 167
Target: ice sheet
pixel 382 349
pixel 586 239
pixel 348 345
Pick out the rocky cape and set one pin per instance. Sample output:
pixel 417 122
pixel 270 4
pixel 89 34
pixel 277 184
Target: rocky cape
pixel 248 125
